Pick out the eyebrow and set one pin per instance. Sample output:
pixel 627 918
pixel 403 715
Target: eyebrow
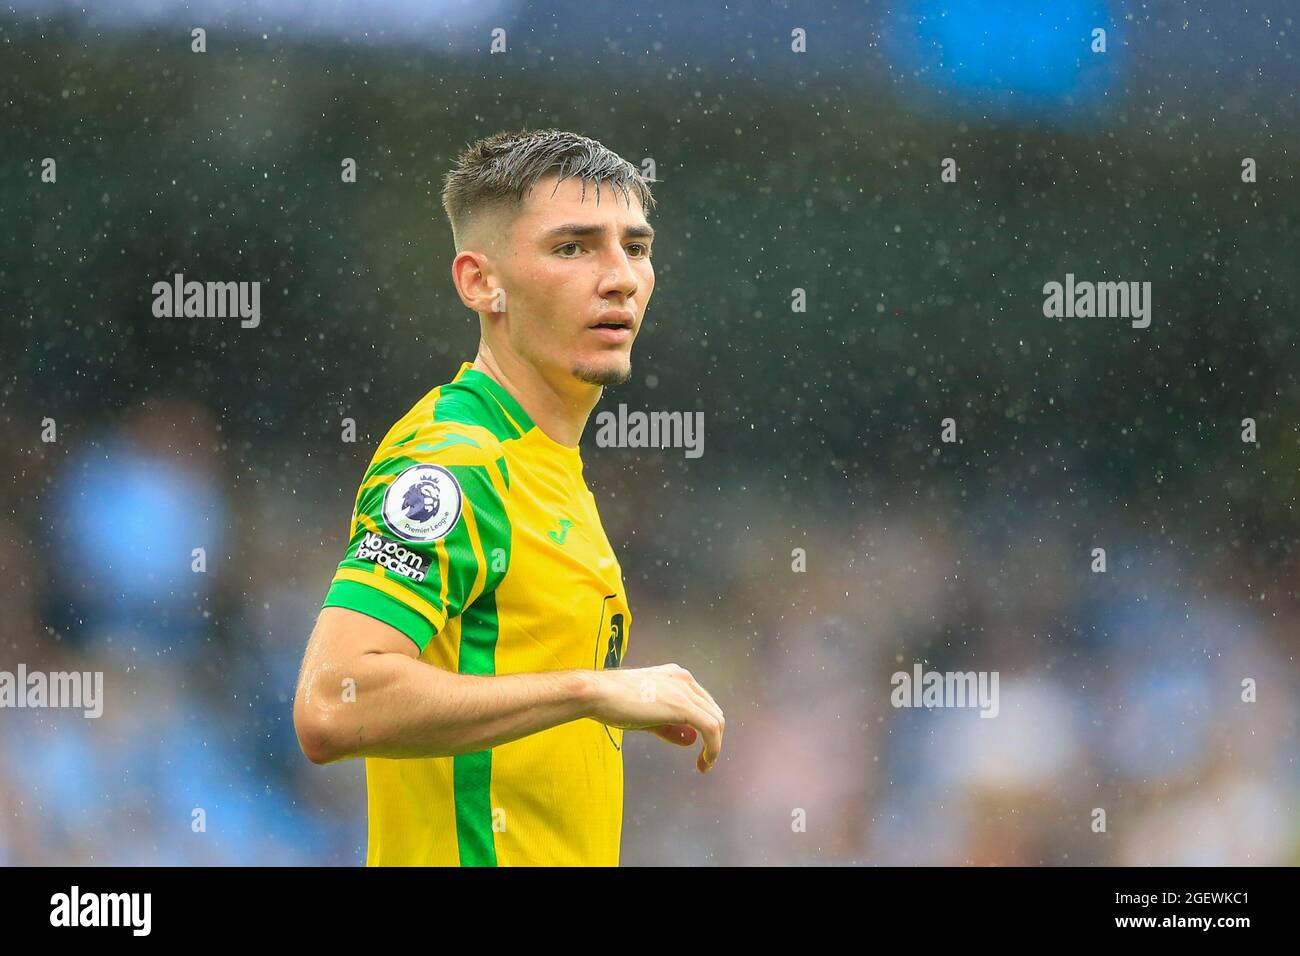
pixel 584 230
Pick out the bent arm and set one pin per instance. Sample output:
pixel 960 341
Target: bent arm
pixel 399 706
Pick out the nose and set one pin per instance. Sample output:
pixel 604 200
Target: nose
pixel 618 276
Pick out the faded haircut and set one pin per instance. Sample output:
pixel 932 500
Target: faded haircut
pixel 495 174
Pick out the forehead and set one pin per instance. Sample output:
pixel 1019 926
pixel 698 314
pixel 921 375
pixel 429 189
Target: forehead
pixel 553 201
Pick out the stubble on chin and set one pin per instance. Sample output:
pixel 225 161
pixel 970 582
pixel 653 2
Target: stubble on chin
pixel 603 374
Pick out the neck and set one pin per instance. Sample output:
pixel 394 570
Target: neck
pixel 561 413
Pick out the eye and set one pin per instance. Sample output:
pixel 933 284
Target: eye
pixel 569 245
pixel 645 250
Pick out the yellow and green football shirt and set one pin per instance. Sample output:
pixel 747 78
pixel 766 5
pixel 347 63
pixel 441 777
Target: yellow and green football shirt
pixel 475 534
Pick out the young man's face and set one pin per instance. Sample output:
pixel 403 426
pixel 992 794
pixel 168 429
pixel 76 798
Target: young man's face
pixel 577 278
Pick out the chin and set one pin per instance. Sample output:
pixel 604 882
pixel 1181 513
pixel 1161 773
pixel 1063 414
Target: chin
pixel 614 370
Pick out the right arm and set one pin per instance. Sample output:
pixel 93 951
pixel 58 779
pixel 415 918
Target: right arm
pixel 364 692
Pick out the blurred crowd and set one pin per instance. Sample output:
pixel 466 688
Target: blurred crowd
pixel 1120 691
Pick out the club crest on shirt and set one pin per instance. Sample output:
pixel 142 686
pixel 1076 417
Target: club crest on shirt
pixel 423 503
pixel 614 644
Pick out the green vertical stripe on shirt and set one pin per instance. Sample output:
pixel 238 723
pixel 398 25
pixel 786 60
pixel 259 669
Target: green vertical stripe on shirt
pixel 472 773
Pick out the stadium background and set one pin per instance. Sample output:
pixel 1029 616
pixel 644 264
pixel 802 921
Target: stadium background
pixel 778 171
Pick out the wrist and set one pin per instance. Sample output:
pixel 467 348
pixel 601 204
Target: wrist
pixel 588 692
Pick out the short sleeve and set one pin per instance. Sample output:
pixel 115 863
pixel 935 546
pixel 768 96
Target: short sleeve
pixel 430 535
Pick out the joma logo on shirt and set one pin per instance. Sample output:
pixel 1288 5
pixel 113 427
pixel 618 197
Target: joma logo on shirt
pixel 391 555
pixel 565 525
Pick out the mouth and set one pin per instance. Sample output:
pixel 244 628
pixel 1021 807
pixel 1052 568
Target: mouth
pixel 614 326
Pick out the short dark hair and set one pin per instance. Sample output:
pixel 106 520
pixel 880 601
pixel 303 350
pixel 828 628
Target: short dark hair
pixel 498 172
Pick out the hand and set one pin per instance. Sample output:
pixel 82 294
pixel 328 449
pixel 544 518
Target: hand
pixel 665 700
